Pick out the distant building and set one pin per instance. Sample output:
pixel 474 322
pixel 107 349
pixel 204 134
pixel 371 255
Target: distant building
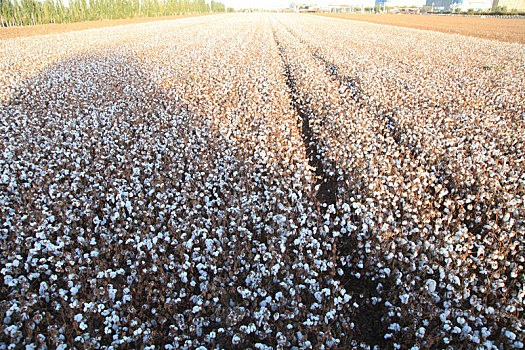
pixel 443 5
pixel 305 7
pixel 476 5
pixel 351 6
pixel 509 5
pixel 399 3
pixel 340 8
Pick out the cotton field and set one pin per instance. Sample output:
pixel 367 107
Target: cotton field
pixel 262 181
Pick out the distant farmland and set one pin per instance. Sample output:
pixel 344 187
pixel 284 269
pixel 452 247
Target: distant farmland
pixel 262 181
pixel 503 29
pixel 44 29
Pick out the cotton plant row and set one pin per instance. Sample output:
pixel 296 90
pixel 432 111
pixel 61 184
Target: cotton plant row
pixel 429 160
pixel 157 194
pixel 23 58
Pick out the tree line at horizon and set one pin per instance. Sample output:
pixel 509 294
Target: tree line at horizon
pixel 33 12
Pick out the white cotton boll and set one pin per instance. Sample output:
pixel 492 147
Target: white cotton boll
pixel 83 326
pixel 209 245
pixel 112 293
pixel 404 298
pixel 11 331
pixel 443 316
pixel 183 277
pixel 456 280
pixel 489 344
pixel 43 287
pixel 78 317
pixel 431 286
pixel 420 332
pixel 466 329
pixel 5 179
pixel 510 335
pixel 485 333
pixel 10 281
pixel 394 327
pixel 251 328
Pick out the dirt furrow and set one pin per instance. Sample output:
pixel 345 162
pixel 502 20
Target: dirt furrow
pixel 368 317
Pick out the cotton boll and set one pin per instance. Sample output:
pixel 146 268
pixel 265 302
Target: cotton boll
pixel 431 285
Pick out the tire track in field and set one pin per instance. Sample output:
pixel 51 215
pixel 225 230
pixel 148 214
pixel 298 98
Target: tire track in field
pixel 368 317
pixel 388 116
pixel 327 193
pixel 391 128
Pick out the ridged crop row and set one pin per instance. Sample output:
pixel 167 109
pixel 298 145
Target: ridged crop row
pixel 429 160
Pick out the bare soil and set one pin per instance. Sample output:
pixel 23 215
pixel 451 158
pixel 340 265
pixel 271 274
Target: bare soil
pixel 502 29
pixel 16 32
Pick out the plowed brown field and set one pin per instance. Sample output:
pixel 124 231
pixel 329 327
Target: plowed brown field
pixel 16 32
pixel 503 29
